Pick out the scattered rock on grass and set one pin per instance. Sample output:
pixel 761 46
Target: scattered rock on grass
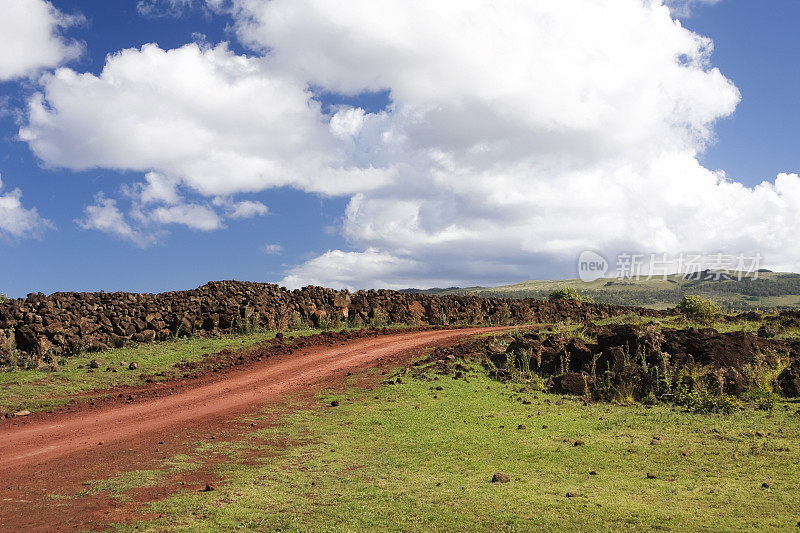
pixel 96 363
pixel 208 488
pixel 500 477
pixel 133 366
pixel 571 495
pixel 651 476
pixel 578 443
pixel 335 403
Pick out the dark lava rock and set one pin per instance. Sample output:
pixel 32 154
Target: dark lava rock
pixel 580 356
pixel 335 403
pixel 96 363
pixel 577 383
pixel 133 366
pixel 500 477
pixel 765 332
pixel 789 380
pixel 730 381
pixel 69 323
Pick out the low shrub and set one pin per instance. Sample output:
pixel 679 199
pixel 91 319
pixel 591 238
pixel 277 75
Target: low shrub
pixel 701 401
pixel 698 307
pixel 568 293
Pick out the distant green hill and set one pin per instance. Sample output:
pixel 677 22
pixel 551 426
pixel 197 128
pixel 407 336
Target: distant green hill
pixel 769 290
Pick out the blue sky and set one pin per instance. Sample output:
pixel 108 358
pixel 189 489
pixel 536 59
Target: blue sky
pixel 756 48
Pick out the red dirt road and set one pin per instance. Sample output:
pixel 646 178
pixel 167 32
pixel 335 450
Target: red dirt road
pixel 54 454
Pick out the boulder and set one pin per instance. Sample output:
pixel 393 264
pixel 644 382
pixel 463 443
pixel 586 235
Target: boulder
pixel 577 383
pixel 789 380
pixel 500 477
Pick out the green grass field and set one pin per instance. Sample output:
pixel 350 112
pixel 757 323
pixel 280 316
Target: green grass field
pixel 408 458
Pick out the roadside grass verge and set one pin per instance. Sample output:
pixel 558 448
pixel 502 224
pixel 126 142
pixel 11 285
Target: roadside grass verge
pixel 409 457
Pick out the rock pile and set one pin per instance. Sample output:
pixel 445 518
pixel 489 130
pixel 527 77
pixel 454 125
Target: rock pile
pixel 66 323
pixel 640 356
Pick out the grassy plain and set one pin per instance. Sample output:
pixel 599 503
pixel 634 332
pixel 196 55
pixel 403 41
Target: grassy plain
pixel 409 457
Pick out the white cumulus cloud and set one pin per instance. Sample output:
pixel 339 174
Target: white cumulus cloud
pixel 17 222
pixel 241 209
pixel 272 249
pixel 525 133
pixel 353 270
pixel 158 203
pixel 30 38
pixel 194 216
pixel 683 8
pixel 519 133
pixel 214 121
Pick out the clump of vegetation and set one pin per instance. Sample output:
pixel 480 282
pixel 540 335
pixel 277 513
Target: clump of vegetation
pixel 378 319
pixel 3 297
pixel 702 401
pixel 762 378
pixel 698 307
pixel 296 323
pixel 247 322
pixel 568 293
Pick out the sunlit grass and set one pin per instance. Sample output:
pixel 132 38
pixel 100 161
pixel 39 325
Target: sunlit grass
pixel 416 459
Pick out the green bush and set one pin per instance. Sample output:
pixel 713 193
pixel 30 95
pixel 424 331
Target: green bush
pixel 3 297
pixel 698 307
pixel 701 401
pixel 568 293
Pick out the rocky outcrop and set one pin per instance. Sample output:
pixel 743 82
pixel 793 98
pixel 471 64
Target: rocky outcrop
pixel 640 357
pixel 66 323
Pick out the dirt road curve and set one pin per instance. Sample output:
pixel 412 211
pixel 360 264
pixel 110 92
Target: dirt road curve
pixel 65 448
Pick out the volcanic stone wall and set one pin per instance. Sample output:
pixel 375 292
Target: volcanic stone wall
pixel 66 323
